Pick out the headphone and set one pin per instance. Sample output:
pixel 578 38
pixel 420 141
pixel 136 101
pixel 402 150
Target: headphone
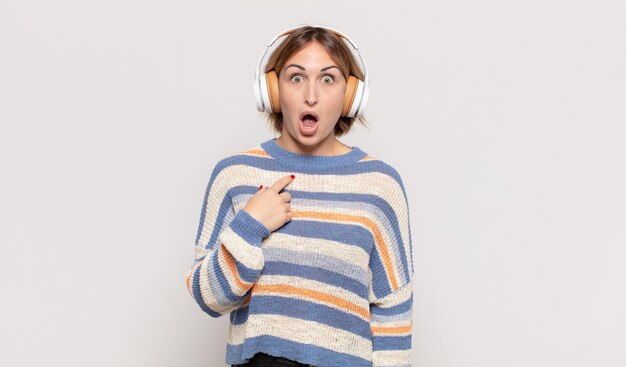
pixel 266 84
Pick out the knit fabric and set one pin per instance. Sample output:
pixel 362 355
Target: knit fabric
pixel 332 287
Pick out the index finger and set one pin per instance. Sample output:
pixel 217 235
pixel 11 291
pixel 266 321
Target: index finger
pixel 281 183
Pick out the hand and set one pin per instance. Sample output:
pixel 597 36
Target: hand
pixel 271 207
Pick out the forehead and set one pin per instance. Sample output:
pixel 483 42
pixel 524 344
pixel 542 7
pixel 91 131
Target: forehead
pixel 313 53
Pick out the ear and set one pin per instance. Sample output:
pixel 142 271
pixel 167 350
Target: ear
pixel 272 89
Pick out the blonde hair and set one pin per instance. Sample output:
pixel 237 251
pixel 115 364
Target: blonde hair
pixel 338 52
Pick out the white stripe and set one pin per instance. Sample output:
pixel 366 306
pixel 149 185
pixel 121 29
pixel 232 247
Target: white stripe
pixel 237 333
pixel 352 254
pixel 395 358
pixel 249 255
pixel 401 295
pixel 306 331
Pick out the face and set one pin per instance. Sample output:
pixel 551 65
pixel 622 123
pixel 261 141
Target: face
pixel 311 90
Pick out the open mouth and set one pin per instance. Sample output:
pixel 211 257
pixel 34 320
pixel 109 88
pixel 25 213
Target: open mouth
pixel 309 119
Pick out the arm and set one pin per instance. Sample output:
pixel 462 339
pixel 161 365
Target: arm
pixel 391 325
pixel 228 255
pixel 391 293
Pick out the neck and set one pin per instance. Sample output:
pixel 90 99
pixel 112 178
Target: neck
pixel 329 147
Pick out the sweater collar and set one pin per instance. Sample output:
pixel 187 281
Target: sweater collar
pixel 311 161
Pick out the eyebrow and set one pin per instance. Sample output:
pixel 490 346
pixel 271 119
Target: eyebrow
pixel 302 67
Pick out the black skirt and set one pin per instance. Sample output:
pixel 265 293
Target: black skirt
pixel 266 360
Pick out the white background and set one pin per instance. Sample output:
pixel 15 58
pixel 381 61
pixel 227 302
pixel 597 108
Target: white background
pixel 505 119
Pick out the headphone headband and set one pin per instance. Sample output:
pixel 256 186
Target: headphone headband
pixel 266 91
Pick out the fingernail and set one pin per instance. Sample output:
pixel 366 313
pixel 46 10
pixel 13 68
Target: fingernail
pixel 260 187
pixel 293 176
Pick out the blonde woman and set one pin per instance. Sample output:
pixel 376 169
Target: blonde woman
pixel 304 241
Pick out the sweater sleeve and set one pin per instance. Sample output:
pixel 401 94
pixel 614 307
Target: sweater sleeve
pixel 391 287
pixel 228 253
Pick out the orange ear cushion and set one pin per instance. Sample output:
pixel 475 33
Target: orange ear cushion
pixel 351 87
pixel 272 89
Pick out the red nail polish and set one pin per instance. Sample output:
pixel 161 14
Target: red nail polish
pixel 293 176
pixel 260 187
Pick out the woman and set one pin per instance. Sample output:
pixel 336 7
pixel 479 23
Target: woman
pixel 305 241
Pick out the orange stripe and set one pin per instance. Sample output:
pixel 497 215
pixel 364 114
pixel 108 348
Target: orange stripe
pixel 257 152
pixel 299 291
pixel 378 237
pixel 391 329
pixel 233 268
pixel 188 280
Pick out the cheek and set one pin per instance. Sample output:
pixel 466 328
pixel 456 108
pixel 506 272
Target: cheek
pixel 285 97
pixel 338 99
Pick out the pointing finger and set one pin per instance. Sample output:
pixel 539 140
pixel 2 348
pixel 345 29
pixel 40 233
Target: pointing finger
pixel 282 182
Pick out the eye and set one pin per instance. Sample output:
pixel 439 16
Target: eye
pixel 296 78
pixel 328 79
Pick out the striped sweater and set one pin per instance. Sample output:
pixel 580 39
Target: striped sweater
pixel 332 287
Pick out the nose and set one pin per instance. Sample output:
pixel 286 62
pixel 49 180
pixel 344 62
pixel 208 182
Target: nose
pixel 310 96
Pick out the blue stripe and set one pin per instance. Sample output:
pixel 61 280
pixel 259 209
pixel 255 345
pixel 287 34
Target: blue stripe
pixel 198 295
pixel 325 262
pixel 348 234
pixel 307 310
pixel 391 342
pixel 269 164
pixel 391 318
pixel 248 228
pixel 227 295
pixel 314 162
pixel 394 310
pixel 380 285
pixel 303 353
pixel 240 315
pixel 318 274
pixel 245 273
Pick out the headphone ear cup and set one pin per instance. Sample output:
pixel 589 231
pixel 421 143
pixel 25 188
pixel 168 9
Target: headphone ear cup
pixel 272 90
pixel 355 98
pixel 359 94
pixel 351 91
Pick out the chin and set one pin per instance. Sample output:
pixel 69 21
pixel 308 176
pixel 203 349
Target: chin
pixel 307 140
